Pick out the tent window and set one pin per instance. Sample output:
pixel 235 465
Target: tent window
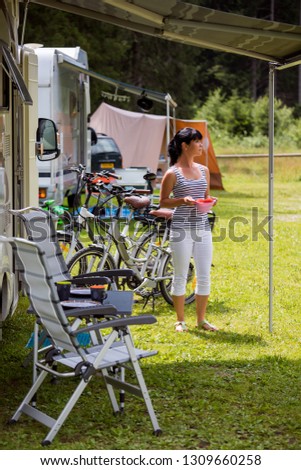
pixel 7 60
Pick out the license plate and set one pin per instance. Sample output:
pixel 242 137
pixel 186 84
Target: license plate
pixel 107 165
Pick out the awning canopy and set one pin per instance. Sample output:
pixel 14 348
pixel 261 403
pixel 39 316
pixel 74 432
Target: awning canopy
pixel 196 26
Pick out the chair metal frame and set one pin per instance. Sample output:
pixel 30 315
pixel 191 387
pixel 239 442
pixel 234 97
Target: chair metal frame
pixel 84 363
pixel 40 228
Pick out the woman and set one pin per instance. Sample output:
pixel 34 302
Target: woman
pixel 190 230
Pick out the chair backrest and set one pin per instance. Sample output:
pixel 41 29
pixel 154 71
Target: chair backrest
pixel 41 290
pixel 40 229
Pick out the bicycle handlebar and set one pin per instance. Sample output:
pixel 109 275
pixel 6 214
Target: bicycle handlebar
pixel 114 189
pixel 112 175
pixel 80 169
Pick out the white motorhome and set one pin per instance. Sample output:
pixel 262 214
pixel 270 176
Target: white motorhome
pixel 39 83
pixel 18 151
pixel 64 97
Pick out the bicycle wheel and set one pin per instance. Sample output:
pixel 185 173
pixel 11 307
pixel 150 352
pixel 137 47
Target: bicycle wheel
pixel 141 246
pixel 65 241
pixel 165 285
pixel 147 257
pixel 89 260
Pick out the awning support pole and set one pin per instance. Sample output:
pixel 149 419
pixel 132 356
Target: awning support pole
pixel 271 187
pixel 167 122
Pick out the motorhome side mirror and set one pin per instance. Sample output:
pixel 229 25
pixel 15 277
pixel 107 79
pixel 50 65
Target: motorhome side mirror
pixel 47 144
pixel 150 176
pixel 93 136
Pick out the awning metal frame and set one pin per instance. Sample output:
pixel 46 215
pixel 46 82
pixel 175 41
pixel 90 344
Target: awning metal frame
pixel 15 74
pixel 163 98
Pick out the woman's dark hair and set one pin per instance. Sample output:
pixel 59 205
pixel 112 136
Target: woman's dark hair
pixel 187 134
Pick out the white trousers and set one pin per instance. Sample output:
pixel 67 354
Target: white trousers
pixel 187 243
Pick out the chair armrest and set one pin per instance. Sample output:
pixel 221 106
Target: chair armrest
pixel 111 273
pixel 116 323
pixel 95 312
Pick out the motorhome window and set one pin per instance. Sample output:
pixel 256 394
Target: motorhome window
pixel 4 85
pixel 15 74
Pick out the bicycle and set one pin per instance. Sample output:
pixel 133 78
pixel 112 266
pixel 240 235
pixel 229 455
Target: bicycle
pixel 148 257
pixel 69 244
pixel 79 221
pixel 92 222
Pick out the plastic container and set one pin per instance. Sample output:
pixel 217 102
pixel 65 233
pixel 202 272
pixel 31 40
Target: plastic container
pixel 204 205
pixel 63 289
pixel 98 292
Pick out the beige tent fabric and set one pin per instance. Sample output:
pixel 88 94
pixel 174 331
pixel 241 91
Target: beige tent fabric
pixel 142 138
pixel 139 136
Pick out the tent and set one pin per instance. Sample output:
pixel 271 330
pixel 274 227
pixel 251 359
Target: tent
pixel 279 44
pixel 208 157
pixel 139 136
pixel 136 132
pixel 142 138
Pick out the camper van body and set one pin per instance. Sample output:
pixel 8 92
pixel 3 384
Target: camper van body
pixel 18 124
pixel 18 146
pixel 64 97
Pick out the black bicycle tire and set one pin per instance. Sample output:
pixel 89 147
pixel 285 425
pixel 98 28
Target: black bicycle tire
pixel 143 240
pixel 97 251
pixel 165 289
pixel 146 238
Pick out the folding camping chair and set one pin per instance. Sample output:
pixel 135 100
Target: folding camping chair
pixel 41 229
pixel 66 352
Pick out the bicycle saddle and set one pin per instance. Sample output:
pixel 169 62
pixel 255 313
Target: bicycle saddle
pixel 137 202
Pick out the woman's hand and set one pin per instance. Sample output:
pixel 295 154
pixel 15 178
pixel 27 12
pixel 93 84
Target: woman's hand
pixel 189 201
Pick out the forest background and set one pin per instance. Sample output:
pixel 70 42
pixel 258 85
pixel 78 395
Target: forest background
pixel 227 90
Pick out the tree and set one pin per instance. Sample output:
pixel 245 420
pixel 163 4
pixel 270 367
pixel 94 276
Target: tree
pixel 120 54
pixel 188 73
pixel 248 76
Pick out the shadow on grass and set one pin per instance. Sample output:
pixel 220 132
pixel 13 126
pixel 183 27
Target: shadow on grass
pixel 219 307
pixel 201 403
pixel 242 404
pixel 228 337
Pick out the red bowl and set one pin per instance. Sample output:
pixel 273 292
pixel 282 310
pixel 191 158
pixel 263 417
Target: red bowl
pixel 204 205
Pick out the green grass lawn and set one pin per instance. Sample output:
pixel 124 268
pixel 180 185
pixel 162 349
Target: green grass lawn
pixel 238 388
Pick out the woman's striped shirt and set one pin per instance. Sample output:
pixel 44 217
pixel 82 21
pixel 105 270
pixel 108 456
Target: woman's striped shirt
pixel 189 217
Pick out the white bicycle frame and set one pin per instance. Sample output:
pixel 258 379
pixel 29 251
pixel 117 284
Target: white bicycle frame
pixel 147 281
